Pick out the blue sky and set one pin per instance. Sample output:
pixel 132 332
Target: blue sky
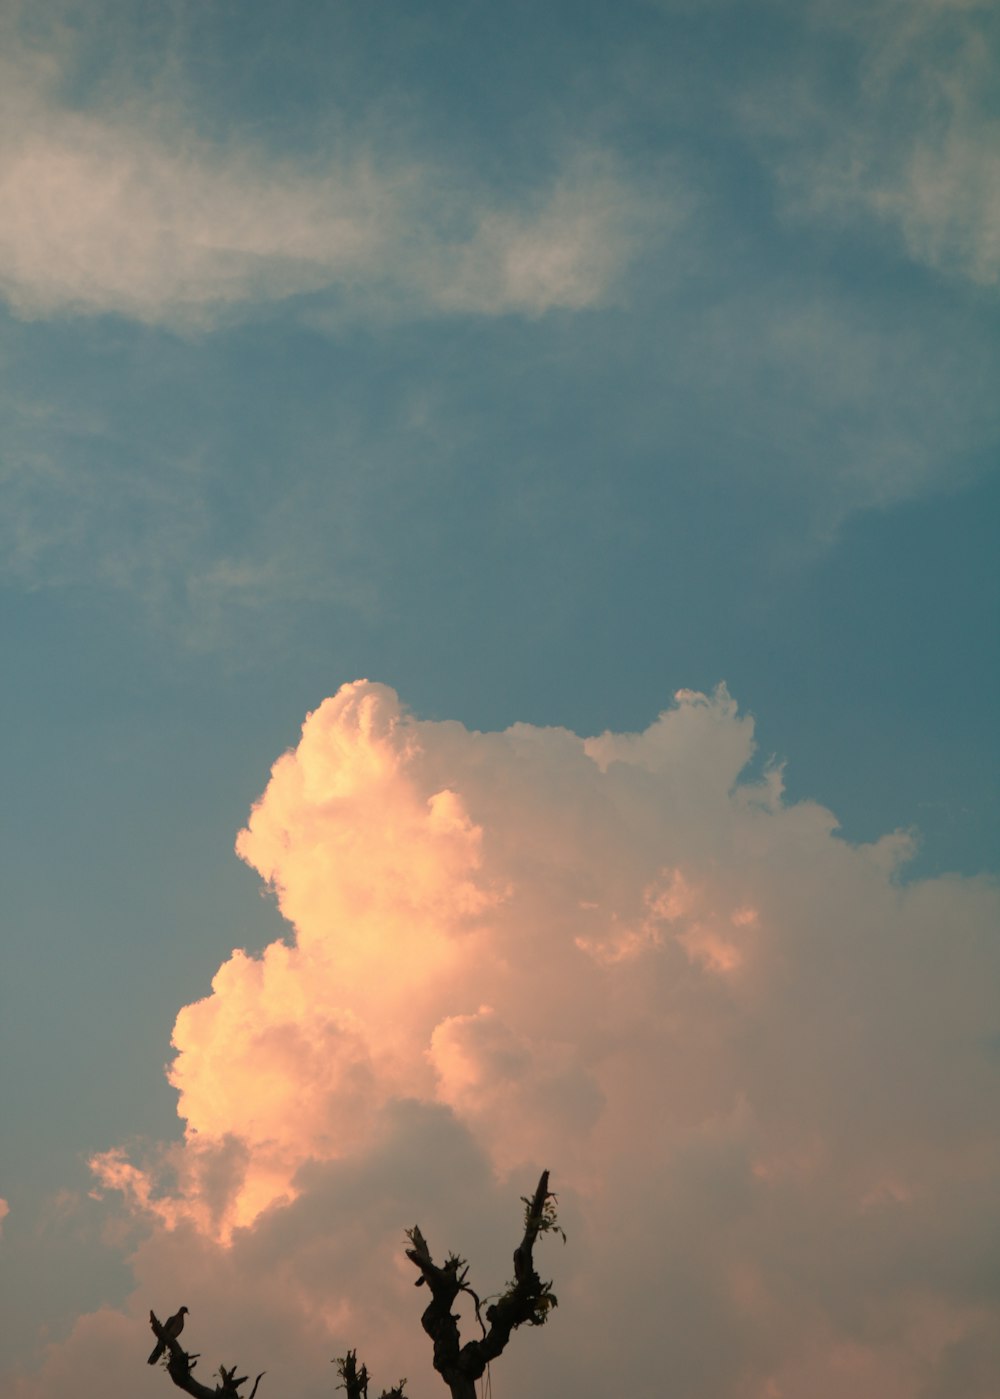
pixel 538 362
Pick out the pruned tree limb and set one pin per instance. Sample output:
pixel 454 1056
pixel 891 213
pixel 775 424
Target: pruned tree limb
pixel 355 1381
pixel 179 1366
pixel 526 1300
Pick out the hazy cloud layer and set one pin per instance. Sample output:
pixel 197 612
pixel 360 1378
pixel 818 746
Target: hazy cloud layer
pixel 815 406
pixel 763 1073
pixel 815 393
pixel 874 408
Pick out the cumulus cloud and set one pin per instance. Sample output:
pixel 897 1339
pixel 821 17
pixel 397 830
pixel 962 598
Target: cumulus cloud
pixel 762 1067
pixel 125 209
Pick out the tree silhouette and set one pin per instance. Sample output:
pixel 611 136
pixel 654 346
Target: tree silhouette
pixel 526 1299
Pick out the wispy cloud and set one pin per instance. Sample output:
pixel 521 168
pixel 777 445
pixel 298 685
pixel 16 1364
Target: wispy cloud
pixel 914 143
pixel 91 500
pixel 126 209
pixel 837 403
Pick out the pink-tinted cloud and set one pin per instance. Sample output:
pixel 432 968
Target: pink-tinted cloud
pixel 763 1071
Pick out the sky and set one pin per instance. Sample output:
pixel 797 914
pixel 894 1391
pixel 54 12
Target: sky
pixel 500 608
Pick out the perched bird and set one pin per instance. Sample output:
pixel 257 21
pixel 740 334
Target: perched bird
pixel 172 1327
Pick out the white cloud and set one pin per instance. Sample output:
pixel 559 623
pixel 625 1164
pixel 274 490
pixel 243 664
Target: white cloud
pixel 918 145
pixel 126 209
pixel 762 1071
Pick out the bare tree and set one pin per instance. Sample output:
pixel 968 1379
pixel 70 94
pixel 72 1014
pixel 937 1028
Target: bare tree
pixel 525 1299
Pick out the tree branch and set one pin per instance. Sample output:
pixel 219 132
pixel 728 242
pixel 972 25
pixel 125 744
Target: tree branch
pixel 355 1381
pixel 527 1298
pixel 180 1364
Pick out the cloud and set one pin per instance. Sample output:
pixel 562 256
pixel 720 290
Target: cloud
pixel 860 406
pixel 125 208
pixel 762 1068
pixel 4 1212
pixel 93 498
pixel 915 146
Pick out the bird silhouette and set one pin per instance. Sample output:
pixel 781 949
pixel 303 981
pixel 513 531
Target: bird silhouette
pixel 172 1327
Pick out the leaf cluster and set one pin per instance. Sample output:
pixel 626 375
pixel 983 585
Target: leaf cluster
pixel 546 1220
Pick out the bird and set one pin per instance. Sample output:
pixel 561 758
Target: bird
pixel 172 1328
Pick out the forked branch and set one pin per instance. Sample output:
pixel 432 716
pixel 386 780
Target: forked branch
pixel 526 1298
pixel 180 1365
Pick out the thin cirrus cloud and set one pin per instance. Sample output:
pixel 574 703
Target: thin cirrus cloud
pixel 762 1069
pixel 915 144
pixel 859 409
pixel 131 213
